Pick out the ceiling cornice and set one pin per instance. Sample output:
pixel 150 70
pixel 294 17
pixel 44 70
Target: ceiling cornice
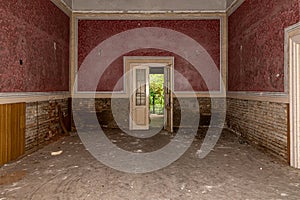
pixel 235 5
pixel 97 6
pixel 63 6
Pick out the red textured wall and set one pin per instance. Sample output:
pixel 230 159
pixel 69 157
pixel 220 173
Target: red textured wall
pixel 206 32
pixel 28 32
pixel 256 44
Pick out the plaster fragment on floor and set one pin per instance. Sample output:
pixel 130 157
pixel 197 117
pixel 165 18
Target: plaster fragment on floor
pixel 56 153
pixel 284 195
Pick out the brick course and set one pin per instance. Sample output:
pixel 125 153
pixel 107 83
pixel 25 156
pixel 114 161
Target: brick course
pixel 42 122
pixel 121 107
pixel 262 123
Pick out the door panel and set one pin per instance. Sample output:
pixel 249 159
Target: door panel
pixel 168 116
pixel 139 119
pixel 140 116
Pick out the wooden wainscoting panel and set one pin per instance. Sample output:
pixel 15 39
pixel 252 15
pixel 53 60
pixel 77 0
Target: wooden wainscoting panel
pixel 12 131
pixel 3 135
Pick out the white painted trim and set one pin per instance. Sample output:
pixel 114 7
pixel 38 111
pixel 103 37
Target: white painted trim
pixel 223 29
pixel 144 16
pixel 63 7
pixel 200 92
pixel 293 61
pixel 163 60
pixel 66 5
pixel 234 6
pixel 130 62
pixel 226 59
pixel 149 12
pixel 76 57
pixel 89 11
pixel 200 95
pixel 117 15
pixel 286 63
pixel 99 96
pixel 88 95
pixel 260 96
pixel 291 28
pixel 70 55
pixel 102 92
pixel 69 11
pixel 149 58
pixel 6 98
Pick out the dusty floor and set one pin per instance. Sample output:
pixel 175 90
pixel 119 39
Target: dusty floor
pixel 231 171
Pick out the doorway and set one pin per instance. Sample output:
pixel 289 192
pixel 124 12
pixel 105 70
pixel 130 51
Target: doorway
pixel 151 99
pixel 156 97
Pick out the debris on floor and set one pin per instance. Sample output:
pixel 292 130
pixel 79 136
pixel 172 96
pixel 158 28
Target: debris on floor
pixel 10 178
pixel 56 153
pixel 78 175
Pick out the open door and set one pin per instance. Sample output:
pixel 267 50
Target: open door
pixel 168 116
pixel 139 102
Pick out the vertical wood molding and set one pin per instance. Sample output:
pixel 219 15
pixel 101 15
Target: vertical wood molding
pixel 293 36
pixel 288 135
pixel 73 52
pixel 224 54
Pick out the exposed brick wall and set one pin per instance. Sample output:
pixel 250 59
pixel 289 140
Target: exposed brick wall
pixel 106 117
pixel 42 122
pixel 262 123
pixel 120 119
pixel 205 112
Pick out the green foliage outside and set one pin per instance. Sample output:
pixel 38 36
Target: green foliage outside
pixel 156 93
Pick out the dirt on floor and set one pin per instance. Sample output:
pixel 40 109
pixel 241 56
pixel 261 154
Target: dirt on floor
pixel 233 170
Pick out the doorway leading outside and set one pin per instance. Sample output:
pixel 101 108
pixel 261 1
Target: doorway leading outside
pixel 156 97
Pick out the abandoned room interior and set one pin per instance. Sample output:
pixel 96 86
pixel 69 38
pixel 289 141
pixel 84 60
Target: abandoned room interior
pixel 149 99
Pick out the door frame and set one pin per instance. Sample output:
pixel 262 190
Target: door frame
pixel 151 61
pixel 292 58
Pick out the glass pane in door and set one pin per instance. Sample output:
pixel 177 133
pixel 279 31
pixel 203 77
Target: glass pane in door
pixel 140 87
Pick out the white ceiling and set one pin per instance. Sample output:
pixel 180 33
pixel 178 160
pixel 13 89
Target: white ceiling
pixel 150 5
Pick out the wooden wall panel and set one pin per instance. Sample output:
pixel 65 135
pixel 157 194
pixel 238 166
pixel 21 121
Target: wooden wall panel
pixel 3 143
pixel 12 132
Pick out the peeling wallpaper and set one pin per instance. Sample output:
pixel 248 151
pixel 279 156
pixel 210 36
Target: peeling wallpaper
pixel 256 44
pixel 92 32
pixel 34 47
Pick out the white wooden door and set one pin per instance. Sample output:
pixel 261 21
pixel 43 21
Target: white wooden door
pixel 168 95
pixel 139 101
